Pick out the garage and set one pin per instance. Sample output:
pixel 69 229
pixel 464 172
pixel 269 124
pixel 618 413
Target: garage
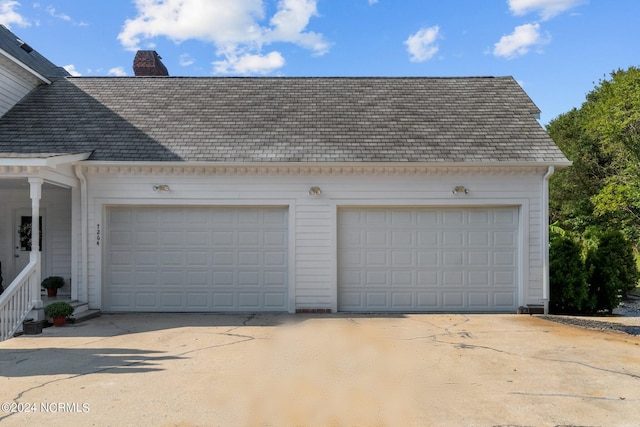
pixel 428 259
pixel 195 259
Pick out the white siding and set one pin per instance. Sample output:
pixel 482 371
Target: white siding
pixel 78 283
pixel 59 232
pixel 314 255
pixel 313 220
pixel 13 86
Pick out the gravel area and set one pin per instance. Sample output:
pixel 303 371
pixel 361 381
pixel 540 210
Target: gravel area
pixel 629 308
pixel 625 318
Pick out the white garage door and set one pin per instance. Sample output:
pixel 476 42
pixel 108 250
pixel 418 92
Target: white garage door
pixel 422 260
pixel 195 259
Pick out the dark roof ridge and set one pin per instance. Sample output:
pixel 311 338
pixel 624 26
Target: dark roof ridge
pixel 296 77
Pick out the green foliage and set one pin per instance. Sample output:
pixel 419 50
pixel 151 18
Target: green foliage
pixel 602 138
pixel 601 191
pixel 619 202
pixel 571 189
pixel 59 309
pixel 53 282
pixel 613 111
pixel 556 231
pixel 579 286
pixel 590 239
pixel 612 270
pixel 567 277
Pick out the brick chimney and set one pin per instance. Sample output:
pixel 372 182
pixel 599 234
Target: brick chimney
pixel 148 63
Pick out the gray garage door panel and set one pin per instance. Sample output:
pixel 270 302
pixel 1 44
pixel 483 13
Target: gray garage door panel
pixel 196 259
pixel 425 259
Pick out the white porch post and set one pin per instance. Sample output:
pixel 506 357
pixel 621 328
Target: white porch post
pixel 545 238
pixel 35 185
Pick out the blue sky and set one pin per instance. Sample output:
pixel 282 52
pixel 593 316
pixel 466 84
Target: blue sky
pixel 557 49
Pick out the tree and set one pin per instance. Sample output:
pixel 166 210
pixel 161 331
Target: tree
pixel 571 189
pixel 602 138
pixel 614 120
pixel 612 270
pixel 567 277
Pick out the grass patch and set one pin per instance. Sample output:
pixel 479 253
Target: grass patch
pixel 635 292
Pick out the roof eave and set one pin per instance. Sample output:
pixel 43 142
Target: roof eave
pixel 25 67
pixel 555 163
pixel 50 161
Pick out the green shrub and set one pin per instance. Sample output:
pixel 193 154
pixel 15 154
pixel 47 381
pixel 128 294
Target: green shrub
pixel 59 309
pixel 567 277
pixel 612 270
pixel 52 282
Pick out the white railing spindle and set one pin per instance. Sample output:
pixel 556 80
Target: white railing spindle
pixel 18 299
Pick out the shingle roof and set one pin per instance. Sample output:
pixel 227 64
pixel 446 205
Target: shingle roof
pixel 18 49
pixel 481 119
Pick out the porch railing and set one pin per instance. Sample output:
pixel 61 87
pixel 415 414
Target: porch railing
pixel 18 299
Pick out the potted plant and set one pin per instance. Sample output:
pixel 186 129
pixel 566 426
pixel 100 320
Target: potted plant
pixel 59 311
pixel 52 284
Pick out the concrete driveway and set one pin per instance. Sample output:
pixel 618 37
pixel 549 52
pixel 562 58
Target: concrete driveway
pixel 320 370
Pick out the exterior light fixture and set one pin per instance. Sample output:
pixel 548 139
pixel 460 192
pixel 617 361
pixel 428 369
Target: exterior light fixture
pixel 315 191
pixel 460 189
pixel 161 188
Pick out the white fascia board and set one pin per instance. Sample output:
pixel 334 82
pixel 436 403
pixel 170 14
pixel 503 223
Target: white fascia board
pixel 25 67
pixel 59 179
pixel 67 159
pixel 331 164
pixel 51 162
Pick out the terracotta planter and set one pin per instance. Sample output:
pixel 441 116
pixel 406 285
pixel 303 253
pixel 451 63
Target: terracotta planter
pixel 52 292
pixel 59 321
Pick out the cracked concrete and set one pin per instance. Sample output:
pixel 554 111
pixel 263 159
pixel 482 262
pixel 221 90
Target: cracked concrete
pixel 319 370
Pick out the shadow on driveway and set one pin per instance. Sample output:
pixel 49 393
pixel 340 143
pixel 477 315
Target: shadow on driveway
pixel 68 350
pixel 75 361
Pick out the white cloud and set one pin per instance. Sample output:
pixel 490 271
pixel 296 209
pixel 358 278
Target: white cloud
pixel 238 28
pixel 117 71
pixel 186 60
pixel 71 69
pixel 249 63
pixel 546 8
pixel 518 43
pixel 422 45
pixel 63 16
pixel 8 15
pixel 220 21
pixel 373 2
pixel 290 22
pixel 51 11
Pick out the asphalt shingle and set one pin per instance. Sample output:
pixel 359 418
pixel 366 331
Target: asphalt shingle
pixel 191 119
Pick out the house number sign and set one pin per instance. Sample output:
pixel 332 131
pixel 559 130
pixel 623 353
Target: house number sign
pixel 98 234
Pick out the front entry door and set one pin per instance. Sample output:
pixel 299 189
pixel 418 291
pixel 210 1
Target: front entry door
pixel 22 241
